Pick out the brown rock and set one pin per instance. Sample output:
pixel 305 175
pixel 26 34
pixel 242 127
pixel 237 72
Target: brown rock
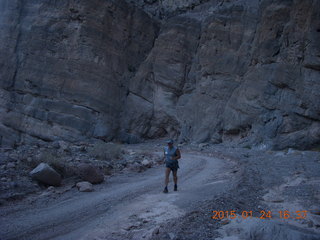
pixel 90 174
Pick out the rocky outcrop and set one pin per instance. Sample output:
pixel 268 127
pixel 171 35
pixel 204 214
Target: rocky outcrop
pixel 158 84
pixel 243 72
pixel 217 71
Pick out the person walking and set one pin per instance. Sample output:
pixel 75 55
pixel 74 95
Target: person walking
pixel 171 154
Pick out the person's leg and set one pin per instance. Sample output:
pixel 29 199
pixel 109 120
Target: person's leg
pixel 166 180
pixel 175 179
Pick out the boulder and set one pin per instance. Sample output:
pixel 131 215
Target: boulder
pixel 146 163
pixel 46 174
pixel 90 174
pixel 84 186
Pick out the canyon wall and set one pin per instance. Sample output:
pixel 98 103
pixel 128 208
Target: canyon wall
pixel 233 71
pixel 244 72
pixel 65 67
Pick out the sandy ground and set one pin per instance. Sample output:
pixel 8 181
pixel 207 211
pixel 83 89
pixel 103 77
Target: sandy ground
pixel 132 206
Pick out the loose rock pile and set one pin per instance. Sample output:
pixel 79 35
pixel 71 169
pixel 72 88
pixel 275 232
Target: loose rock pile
pixel 29 169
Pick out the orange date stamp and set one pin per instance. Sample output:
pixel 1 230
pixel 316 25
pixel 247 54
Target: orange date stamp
pixel 263 214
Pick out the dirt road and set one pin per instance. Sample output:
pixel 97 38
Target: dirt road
pixel 129 205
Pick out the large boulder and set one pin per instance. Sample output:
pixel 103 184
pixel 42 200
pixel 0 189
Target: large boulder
pixel 46 174
pixel 90 174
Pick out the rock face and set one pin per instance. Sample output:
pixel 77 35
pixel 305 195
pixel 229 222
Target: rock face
pixel 65 66
pixel 244 72
pixel 45 174
pixel 165 8
pixel 196 70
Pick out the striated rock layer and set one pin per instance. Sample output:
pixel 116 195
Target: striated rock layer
pixel 200 71
pixel 65 66
pixel 239 71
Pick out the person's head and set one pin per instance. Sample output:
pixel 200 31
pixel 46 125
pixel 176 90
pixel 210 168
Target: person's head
pixel 170 143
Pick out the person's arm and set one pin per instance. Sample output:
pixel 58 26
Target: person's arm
pixel 178 155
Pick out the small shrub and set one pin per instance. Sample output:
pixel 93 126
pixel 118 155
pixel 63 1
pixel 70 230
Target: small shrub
pixel 316 148
pixel 106 151
pixel 51 158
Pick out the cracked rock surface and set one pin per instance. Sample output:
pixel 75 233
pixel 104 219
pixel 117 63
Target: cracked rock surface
pixel 243 72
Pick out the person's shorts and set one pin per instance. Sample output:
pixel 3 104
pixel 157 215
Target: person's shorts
pixel 173 165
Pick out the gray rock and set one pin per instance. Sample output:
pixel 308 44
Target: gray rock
pixel 68 102
pixel 155 231
pixel 241 82
pixel 51 188
pixel 56 144
pixel 146 163
pixel 84 186
pixel 63 145
pixel 11 165
pixel 136 167
pixel 90 174
pixel 203 145
pixel 45 174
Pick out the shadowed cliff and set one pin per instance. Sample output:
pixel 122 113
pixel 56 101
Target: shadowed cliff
pixel 245 72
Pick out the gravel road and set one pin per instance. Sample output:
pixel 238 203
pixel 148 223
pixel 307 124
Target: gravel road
pixel 129 205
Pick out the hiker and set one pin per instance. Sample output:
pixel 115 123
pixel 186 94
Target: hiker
pixel 171 154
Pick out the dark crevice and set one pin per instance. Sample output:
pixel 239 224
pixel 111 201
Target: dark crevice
pixel 23 132
pixel 307 117
pixel 276 53
pixel 312 66
pixel 17 45
pixel 139 96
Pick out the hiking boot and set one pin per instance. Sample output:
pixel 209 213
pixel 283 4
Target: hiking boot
pixel 165 190
pixel 175 188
